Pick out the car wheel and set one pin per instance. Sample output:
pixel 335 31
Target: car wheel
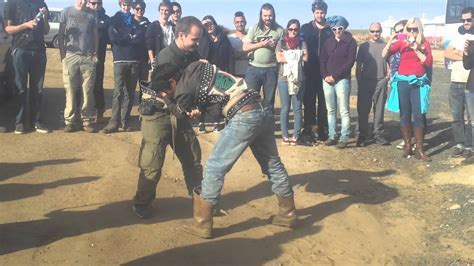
pixel 56 41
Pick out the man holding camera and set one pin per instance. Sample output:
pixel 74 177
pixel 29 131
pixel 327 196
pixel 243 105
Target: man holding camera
pixel 459 75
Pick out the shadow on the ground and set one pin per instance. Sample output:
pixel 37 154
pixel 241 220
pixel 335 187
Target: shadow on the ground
pixel 358 187
pixel 15 191
pixel 9 170
pixel 65 223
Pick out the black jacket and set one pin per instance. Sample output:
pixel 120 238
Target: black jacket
pixel 104 39
pixel 315 39
pixel 468 62
pixel 219 53
pixel 154 37
pixel 125 38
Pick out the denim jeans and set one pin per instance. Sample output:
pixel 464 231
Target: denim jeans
pixel 256 77
pixel 410 105
pixel 296 102
pixel 254 129
pixel 30 66
pixel 337 95
pixel 125 81
pixel 457 105
pixel 470 111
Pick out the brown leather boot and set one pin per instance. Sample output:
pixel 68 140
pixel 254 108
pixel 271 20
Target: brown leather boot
pixel 420 154
pixel 287 213
pixel 201 225
pixel 406 135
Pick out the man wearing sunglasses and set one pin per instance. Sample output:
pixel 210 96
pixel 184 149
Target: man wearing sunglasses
pixel 315 34
pixel 78 45
pixel 372 79
pixel 176 13
pixel 459 75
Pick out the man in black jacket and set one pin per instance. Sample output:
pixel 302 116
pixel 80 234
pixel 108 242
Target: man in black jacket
pixel 125 36
pixel 160 33
pixel 103 20
pixel 315 33
pixel 160 129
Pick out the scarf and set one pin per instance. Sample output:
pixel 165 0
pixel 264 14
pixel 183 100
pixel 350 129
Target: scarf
pixel 126 17
pixel 292 42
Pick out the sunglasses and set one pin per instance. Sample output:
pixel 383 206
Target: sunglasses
pixel 95 3
pixel 412 30
pixel 177 12
pixel 338 29
pixel 139 9
pixel 374 31
pixel 466 20
pixel 293 29
pixel 399 31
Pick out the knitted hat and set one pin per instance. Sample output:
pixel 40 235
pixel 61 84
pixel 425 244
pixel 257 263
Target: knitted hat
pixel 337 21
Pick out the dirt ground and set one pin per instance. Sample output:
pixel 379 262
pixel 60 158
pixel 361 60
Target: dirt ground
pixel 66 199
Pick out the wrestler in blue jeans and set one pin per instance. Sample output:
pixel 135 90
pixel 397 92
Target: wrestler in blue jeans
pixel 337 95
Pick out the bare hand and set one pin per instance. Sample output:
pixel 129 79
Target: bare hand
pixel 329 79
pixel 204 61
pixel 32 24
pixel 194 113
pixel 267 43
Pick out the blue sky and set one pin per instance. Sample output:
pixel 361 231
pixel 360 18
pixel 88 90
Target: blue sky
pixel 359 13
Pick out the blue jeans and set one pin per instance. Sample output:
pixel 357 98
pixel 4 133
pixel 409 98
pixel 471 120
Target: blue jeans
pixel 457 105
pixel 470 111
pixel 256 77
pixel 296 101
pixel 254 129
pixel 337 95
pixel 30 66
pixel 410 105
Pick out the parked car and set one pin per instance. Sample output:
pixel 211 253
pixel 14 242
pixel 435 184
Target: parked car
pixel 51 39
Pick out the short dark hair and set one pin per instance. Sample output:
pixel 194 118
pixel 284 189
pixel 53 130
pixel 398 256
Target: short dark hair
pixel 139 3
pixel 162 74
pixel 173 4
pixel 239 14
pixel 165 3
pixel 402 22
pixel 319 5
pixel 267 6
pixel 468 9
pixel 185 24
pixel 293 21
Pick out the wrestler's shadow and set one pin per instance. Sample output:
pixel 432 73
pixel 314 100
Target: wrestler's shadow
pixel 71 222
pixel 357 186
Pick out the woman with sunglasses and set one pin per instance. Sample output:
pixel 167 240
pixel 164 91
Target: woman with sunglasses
pixel 337 58
pixel 291 51
pixel 411 84
pixel 215 47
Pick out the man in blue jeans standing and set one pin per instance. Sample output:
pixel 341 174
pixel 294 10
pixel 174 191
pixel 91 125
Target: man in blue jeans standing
pixel 27 22
pixel 261 41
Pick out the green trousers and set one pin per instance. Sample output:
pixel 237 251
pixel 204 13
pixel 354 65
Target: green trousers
pixel 157 135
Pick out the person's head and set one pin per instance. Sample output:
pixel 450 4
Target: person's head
pixel 209 24
pixel 466 17
pixel 239 21
pixel 267 17
pixel 400 26
pixel 164 8
pixel 125 5
pixel 375 30
pixel 138 9
pixel 320 10
pixel 414 30
pixel 94 4
pixel 188 32
pixel 165 78
pixel 338 25
pixel 81 3
pixel 293 28
pixel 176 11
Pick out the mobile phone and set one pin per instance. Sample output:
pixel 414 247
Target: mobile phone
pixel 263 38
pixel 401 36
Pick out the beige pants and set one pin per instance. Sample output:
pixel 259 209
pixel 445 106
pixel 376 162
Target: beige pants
pixel 78 78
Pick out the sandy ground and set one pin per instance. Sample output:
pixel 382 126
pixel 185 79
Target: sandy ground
pixel 66 199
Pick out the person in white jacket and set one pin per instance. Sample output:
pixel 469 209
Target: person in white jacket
pixel 291 52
